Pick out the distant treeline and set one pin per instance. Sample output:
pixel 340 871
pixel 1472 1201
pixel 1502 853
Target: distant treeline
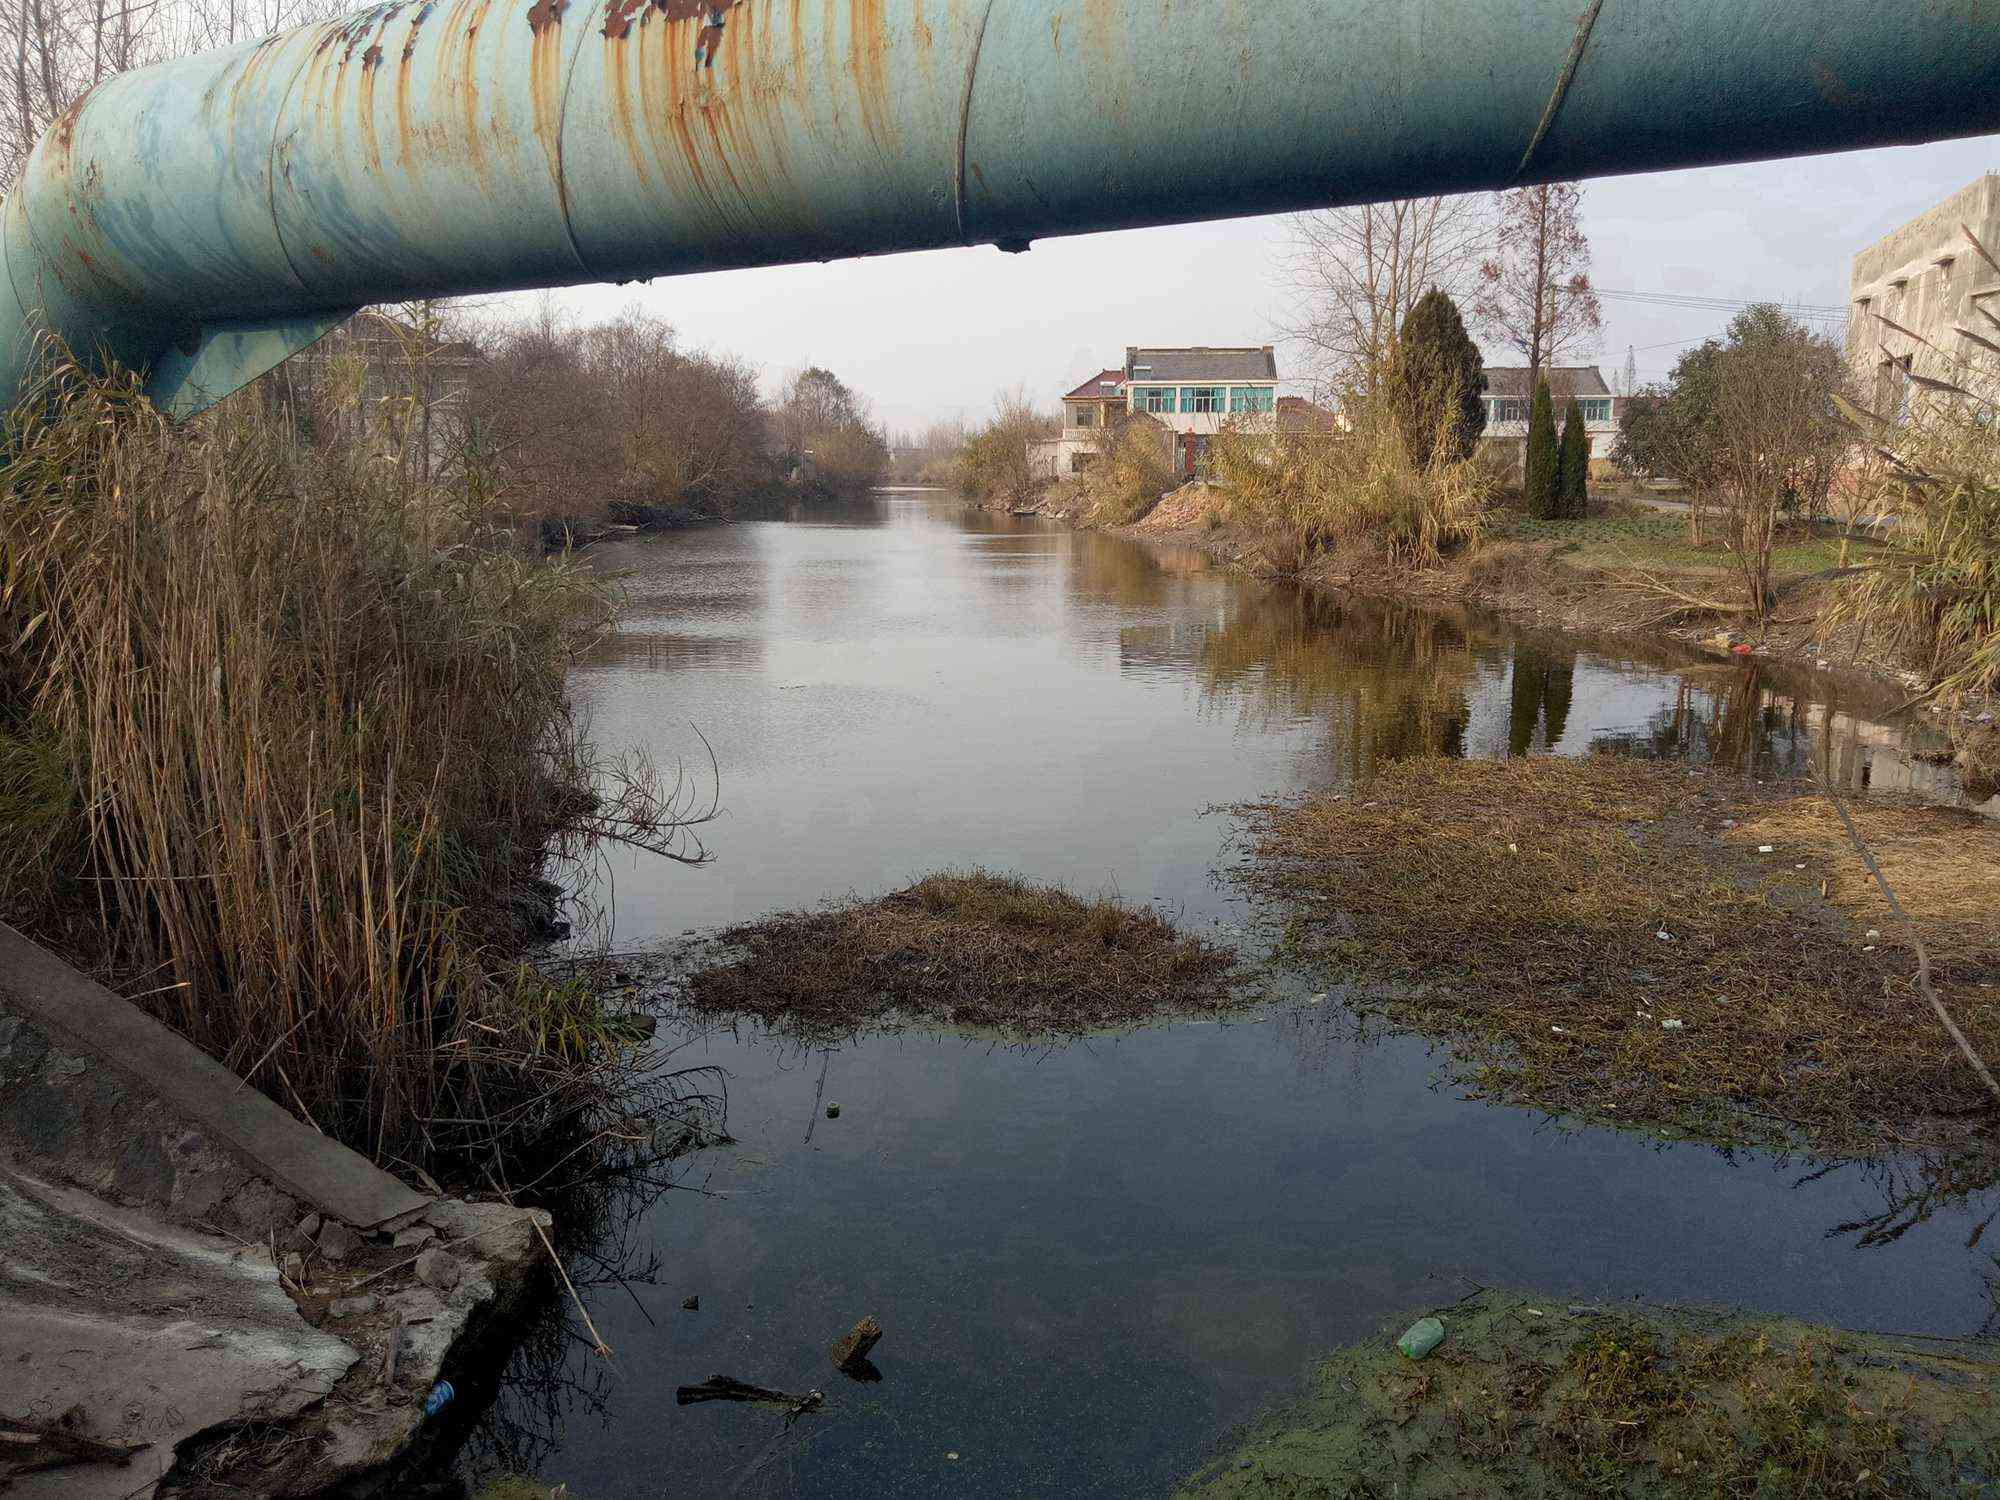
pixel 553 420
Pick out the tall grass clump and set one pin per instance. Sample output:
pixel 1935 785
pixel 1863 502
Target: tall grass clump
pixel 283 738
pixel 1134 468
pixel 993 466
pixel 1366 491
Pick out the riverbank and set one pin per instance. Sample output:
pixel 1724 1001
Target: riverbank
pixel 1626 571
pixel 1528 1395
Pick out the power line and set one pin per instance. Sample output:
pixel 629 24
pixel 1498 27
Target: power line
pixel 1804 311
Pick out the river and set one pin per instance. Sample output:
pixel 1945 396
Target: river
pixel 1092 1261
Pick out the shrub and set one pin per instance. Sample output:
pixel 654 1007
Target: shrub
pixel 1544 477
pixel 1135 467
pixel 1932 594
pixel 1573 467
pixel 1358 489
pixel 992 467
pixel 1435 383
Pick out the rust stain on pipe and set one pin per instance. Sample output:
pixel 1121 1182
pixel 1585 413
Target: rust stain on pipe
pixel 868 66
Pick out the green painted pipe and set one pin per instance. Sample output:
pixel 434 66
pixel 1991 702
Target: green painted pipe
pixel 204 218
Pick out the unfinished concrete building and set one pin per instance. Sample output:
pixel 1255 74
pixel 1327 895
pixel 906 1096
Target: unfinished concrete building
pixel 1927 283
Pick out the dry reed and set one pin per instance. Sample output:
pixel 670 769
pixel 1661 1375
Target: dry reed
pixel 1356 490
pixel 291 736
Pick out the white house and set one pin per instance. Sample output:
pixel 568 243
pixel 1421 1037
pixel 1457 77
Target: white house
pixel 1508 398
pixel 1192 393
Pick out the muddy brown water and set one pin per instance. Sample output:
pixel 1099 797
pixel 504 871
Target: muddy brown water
pixel 1093 1260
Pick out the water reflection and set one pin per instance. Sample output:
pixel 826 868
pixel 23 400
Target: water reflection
pixel 1541 687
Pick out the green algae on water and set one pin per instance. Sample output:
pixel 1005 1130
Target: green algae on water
pixel 1529 1397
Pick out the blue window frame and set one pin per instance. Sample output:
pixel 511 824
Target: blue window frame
pixel 1508 409
pixel 1156 398
pixel 1203 399
pixel 1596 411
pixel 1252 398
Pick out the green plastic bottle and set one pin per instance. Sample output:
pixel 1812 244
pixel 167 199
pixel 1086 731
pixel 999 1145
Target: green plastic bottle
pixel 1423 1336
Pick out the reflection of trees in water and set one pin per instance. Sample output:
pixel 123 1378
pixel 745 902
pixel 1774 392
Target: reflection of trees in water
pixel 1719 716
pixel 1542 684
pixel 1915 1188
pixel 1388 682
pixel 1111 570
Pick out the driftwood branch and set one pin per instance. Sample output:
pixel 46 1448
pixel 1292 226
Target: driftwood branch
pixel 729 1388
pixel 34 1447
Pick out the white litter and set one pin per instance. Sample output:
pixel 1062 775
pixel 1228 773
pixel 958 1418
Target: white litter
pixel 1767 848
pixel 1671 1026
pixel 1664 936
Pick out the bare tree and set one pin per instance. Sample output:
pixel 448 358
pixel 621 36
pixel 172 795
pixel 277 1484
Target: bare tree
pixel 57 50
pixel 1534 291
pixel 1778 442
pixel 1353 274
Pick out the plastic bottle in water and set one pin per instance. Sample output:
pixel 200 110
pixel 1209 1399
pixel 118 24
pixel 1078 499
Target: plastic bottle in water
pixel 439 1398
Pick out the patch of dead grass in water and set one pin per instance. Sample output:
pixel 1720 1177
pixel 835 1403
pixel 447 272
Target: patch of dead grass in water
pixel 1595 939
pixel 970 949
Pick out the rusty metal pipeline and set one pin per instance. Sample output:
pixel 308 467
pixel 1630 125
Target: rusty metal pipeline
pixel 201 219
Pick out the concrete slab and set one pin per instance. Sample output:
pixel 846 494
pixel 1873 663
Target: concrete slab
pixel 155 1332
pixel 87 1018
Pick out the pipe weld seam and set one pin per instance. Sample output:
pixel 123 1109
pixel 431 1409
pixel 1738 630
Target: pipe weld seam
pixel 1555 104
pixel 965 120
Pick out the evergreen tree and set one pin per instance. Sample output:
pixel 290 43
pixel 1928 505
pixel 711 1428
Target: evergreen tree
pixel 1573 489
pixel 1436 383
pixel 1544 460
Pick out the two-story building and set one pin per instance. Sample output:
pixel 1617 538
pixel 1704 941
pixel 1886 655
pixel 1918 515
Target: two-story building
pixel 1509 400
pixel 1189 393
pixel 1195 392
pixel 1088 412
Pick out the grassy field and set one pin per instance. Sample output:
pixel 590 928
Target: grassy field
pixel 1657 541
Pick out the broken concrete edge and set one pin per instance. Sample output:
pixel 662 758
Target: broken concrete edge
pixel 89 1019
pixel 433 1311
pixel 103 1102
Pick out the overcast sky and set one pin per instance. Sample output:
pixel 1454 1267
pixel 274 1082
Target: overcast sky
pixel 938 334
